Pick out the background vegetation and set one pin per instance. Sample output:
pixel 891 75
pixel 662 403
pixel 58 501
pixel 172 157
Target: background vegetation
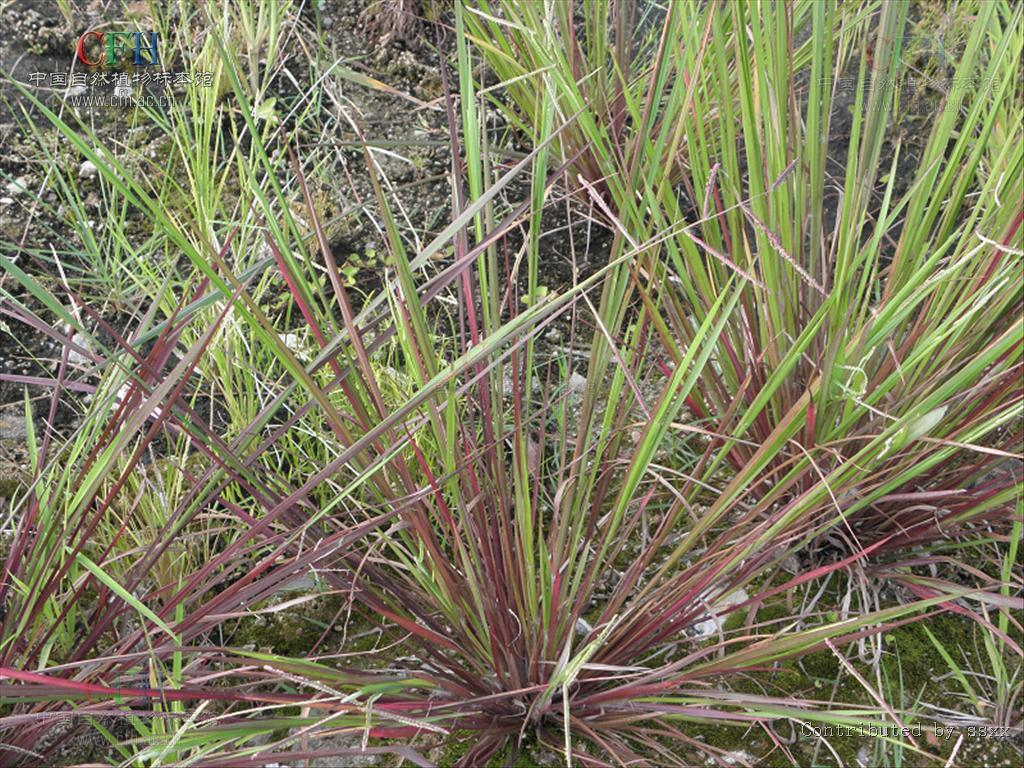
pixel 585 383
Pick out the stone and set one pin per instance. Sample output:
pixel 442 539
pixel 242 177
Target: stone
pixel 17 187
pixel 294 342
pixel 74 356
pixel 738 757
pixel 715 622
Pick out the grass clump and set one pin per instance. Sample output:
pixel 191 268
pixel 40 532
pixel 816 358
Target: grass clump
pixel 777 427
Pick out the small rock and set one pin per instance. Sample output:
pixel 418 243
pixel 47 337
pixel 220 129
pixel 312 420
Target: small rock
pixel 87 169
pixel 348 742
pixel 17 187
pixel 6 200
pixel 554 335
pixel 738 757
pixel 123 393
pixel 713 624
pixel 577 383
pixel 75 90
pixel 12 422
pixel 293 341
pixel 506 383
pixel 74 356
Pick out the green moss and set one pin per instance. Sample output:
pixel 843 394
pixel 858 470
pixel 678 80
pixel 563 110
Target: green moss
pixel 918 658
pixel 11 487
pixel 458 742
pixel 910 665
pixel 292 632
